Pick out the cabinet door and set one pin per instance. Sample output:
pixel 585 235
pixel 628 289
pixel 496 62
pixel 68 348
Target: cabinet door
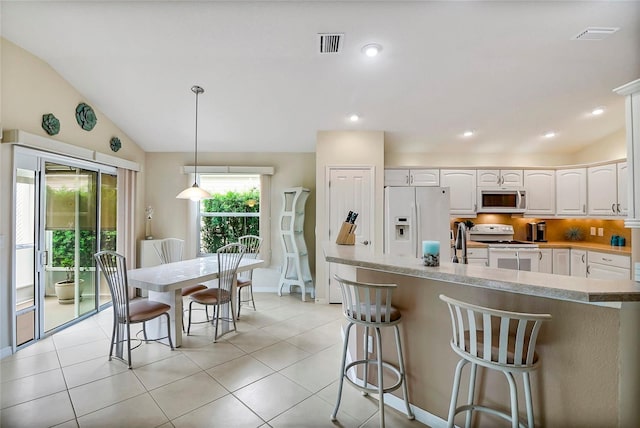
pixel 540 186
pixel 546 260
pixel 579 263
pixel 602 190
pixel 571 192
pixel 489 178
pixel 462 184
pixel 623 186
pixel 561 261
pixel 598 271
pixel 424 177
pixel 396 177
pixel 511 177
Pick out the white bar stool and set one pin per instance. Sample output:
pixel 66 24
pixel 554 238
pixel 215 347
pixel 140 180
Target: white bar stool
pixel 369 305
pixel 498 340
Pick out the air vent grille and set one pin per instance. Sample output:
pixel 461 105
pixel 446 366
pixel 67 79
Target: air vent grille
pixel 596 33
pixel 330 43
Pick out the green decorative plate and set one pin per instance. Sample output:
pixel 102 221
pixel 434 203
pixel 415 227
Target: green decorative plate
pixel 85 116
pixel 50 124
pixel 115 144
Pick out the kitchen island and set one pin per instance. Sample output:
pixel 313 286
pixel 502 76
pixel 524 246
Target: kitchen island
pixel 590 350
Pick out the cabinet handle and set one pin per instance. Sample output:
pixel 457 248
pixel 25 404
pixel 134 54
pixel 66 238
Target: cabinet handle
pixel 584 208
pixel 540 255
pixel 365 242
pixel 613 207
pixel 406 179
pixel 607 260
pixel 618 208
pixel 582 258
pixel 411 179
pixel 588 270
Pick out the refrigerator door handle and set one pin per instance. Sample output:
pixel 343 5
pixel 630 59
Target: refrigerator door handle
pixel 417 247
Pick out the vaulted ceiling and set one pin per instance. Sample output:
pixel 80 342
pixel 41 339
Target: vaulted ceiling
pixel 509 71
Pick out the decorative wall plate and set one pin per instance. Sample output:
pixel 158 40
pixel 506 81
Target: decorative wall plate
pixel 50 124
pixel 85 116
pixel 115 144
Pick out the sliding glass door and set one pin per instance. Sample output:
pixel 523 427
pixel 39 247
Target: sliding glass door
pixel 65 212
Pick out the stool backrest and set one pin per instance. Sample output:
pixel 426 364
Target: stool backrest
pixel 365 302
pixel 492 335
pixel 114 268
pixel 229 258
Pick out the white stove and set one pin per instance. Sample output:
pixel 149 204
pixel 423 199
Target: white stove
pixel 497 236
pixel 504 252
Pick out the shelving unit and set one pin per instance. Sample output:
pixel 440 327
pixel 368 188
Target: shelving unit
pixel 295 264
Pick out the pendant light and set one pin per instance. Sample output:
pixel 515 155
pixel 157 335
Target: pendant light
pixel 195 193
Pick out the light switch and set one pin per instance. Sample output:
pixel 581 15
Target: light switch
pixel 593 231
pixel 600 231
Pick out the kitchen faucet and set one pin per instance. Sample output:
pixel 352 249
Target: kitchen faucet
pixel 461 244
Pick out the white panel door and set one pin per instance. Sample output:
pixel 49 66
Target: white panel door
pixel 602 190
pixel 623 189
pixel 571 192
pixel 541 191
pixel 350 189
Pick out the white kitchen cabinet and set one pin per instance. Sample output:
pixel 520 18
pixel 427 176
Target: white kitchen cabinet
pixel 623 188
pixel 571 192
pixel 608 266
pixel 499 178
pixel 607 190
pixel 412 177
pixel 478 256
pixel 561 261
pixel 540 185
pixel 546 260
pixel 462 185
pixel 578 263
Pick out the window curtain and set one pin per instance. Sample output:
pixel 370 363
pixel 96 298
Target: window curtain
pixel 126 241
pixel 265 218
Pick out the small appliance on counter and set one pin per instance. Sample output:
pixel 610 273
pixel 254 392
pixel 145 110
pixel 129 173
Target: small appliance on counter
pixel 537 232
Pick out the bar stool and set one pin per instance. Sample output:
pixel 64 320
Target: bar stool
pixel 498 340
pixel 369 305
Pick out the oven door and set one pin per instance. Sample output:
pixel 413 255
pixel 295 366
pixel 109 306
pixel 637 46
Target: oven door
pixel 527 259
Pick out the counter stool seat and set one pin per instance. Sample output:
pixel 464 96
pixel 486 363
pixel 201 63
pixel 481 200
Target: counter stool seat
pixel 497 340
pixel 369 305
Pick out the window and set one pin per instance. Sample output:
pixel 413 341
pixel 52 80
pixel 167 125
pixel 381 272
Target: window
pixel 233 211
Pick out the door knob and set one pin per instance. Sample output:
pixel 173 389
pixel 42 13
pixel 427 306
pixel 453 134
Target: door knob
pixel 365 242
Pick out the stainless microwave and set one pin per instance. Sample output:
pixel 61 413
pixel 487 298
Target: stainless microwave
pixel 502 200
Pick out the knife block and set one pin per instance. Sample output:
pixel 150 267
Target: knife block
pixel 347 235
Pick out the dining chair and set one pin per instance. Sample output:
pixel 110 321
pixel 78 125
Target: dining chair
pixel 170 250
pixel 126 312
pixel 221 296
pixel 245 279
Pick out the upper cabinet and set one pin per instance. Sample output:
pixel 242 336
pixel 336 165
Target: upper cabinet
pixel 540 186
pixel 462 190
pixel 607 187
pixel 623 188
pixel 571 192
pixel 411 177
pixel 499 178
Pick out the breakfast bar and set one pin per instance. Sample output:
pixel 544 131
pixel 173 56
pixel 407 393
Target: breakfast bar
pixel 590 350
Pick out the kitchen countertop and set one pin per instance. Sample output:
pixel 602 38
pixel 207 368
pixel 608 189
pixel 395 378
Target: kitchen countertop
pixel 578 245
pixel 559 287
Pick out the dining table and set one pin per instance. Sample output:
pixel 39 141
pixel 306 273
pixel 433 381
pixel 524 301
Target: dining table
pixel 164 283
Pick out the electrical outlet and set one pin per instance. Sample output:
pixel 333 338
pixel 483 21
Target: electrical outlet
pixel 370 345
pixel 593 231
pixel 600 231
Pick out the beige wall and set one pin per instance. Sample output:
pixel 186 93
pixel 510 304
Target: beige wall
pixel 346 148
pixel 164 180
pixel 29 89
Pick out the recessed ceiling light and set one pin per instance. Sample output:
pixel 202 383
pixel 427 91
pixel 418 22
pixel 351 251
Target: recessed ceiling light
pixel 372 49
pixel 354 118
pixel 597 111
pixel 467 134
pixel 550 134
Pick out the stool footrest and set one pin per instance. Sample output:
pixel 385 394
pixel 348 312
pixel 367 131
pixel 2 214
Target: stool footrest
pixel 374 389
pixel 485 409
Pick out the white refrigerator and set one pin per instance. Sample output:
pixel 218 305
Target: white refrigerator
pixel 413 215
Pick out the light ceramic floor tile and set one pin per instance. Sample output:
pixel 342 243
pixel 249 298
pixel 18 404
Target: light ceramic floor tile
pixel 392 418
pixel 69 424
pixel 28 366
pixel 91 370
pixel 353 403
pixel 227 411
pixel 139 412
pixel 315 372
pixel 185 395
pixel 87 351
pixel 67 339
pixel 148 353
pixel 165 371
pixel 31 387
pixel 272 395
pixel 317 339
pixel 213 354
pixel 40 347
pixel 312 413
pixel 253 340
pixel 46 411
pixel 240 372
pixel 280 355
pixel 105 392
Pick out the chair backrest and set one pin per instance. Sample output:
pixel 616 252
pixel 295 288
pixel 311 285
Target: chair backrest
pixel 252 244
pixel 366 303
pixel 169 249
pixel 114 268
pixel 494 336
pixel 229 258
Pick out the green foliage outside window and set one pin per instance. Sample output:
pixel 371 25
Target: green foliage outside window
pixel 218 231
pixel 63 248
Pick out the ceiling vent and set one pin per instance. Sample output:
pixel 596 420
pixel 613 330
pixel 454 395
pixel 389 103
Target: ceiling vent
pixel 596 33
pixel 330 43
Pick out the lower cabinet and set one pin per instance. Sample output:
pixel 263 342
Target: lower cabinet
pixel 562 261
pixel 546 260
pixel 478 256
pixel 608 266
pixel 579 263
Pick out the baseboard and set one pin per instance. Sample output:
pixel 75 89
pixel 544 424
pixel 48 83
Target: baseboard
pixel 5 352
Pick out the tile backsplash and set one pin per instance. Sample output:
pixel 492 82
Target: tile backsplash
pixel 557 228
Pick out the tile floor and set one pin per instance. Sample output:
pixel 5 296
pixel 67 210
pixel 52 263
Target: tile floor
pixel 279 370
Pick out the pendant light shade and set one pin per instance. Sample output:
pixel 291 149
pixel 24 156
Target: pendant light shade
pixel 195 193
